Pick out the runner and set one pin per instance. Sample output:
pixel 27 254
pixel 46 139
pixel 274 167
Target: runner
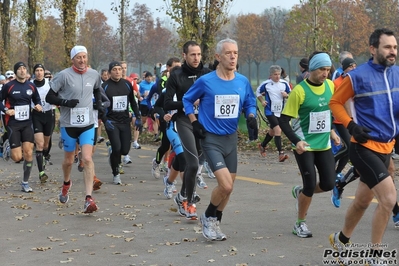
pixel 18 95
pixel 72 89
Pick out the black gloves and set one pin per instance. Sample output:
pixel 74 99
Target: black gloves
pixel 359 133
pixel 251 121
pixel 70 103
pixel 138 124
pixel 198 130
pixel 109 126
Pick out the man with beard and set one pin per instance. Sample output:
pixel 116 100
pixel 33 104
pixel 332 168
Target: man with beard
pixel 18 96
pixel 180 80
pixel 373 127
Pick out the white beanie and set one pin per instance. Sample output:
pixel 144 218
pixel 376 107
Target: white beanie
pixel 78 49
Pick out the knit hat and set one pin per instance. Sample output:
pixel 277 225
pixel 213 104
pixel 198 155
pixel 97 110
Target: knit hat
pixel 18 65
pixel 113 64
pixel 78 49
pixel 304 63
pixel 319 60
pixel 347 62
pixel 38 66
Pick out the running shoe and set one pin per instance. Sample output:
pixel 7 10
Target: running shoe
pixel 60 144
pixel 190 210
pixel 63 196
pixel 338 246
pixel 179 202
pixel 155 169
pixel 80 164
pixel 396 220
pixel 6 150
pixel 282 157
pixel 200 182
pixel 296 190
pixel 126 159
pixel 47 160
pixel 301 230
pixel 136 146
pixel 121 170
pixel 90 206
pixel 117 180
pixel 208 227
pixel 25 187
pixel 168 191
pixel 196 197
pixel 76 159
pixel 209 170
pixel 43 177
pixel 96 183
pixel 219 235
pixel 336 195
pixel 262 150
pixel 100 139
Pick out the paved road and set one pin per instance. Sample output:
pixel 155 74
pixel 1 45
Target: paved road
pixel 136 225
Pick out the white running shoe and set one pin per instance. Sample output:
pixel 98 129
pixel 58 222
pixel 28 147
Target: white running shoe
pixel 126 159
pixel 155 169
pixel 117 179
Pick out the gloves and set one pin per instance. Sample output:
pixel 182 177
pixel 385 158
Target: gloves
pixel 97 105
pixel 359 133
pixel 251 121
pixel 138 124
pixel 109 126
pixel 70 103
pixel 198 130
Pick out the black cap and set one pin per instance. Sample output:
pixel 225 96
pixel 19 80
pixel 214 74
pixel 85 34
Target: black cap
pixel 304 63
pixel 148 74
pixel 38 66
pixel 113 64
pixel 347 62
pixel 18 65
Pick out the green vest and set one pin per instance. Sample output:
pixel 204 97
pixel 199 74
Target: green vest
pixel 313 124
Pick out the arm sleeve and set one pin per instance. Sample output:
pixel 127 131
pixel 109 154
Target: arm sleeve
pixel 338 100
pixel 133 103
pixel 287 129
pixel 52 98
pixel 171 89
pixel 104 99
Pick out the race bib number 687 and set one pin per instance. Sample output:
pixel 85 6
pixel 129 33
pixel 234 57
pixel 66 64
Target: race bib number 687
pixel 226 106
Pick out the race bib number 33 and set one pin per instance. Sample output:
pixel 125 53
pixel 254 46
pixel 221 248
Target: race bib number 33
pixel 226 106
pixel 80 116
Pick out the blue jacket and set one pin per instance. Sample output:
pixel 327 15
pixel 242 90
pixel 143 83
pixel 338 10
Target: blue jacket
pixel 376 100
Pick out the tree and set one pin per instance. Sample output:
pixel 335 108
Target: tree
pixel 5 20
pixel 138 38
pixel 251 32
pixel 198 20
pixel 69 15
pixel 121 10
pixel 32 36
pixel 97 36
pixel 53 55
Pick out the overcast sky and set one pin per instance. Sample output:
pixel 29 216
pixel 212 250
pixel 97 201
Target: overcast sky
pixel 238 6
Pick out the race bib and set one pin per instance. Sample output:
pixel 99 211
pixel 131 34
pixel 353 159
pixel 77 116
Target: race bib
pixel 22 112
pixel 276 107
pixel 80 116
pixel 319 122
pixel 226 106
pixel 119 103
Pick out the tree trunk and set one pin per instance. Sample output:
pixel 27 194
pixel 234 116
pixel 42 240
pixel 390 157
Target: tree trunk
pixel 122 30
pixel 32 34
pixel 5 27
pixel 69 18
